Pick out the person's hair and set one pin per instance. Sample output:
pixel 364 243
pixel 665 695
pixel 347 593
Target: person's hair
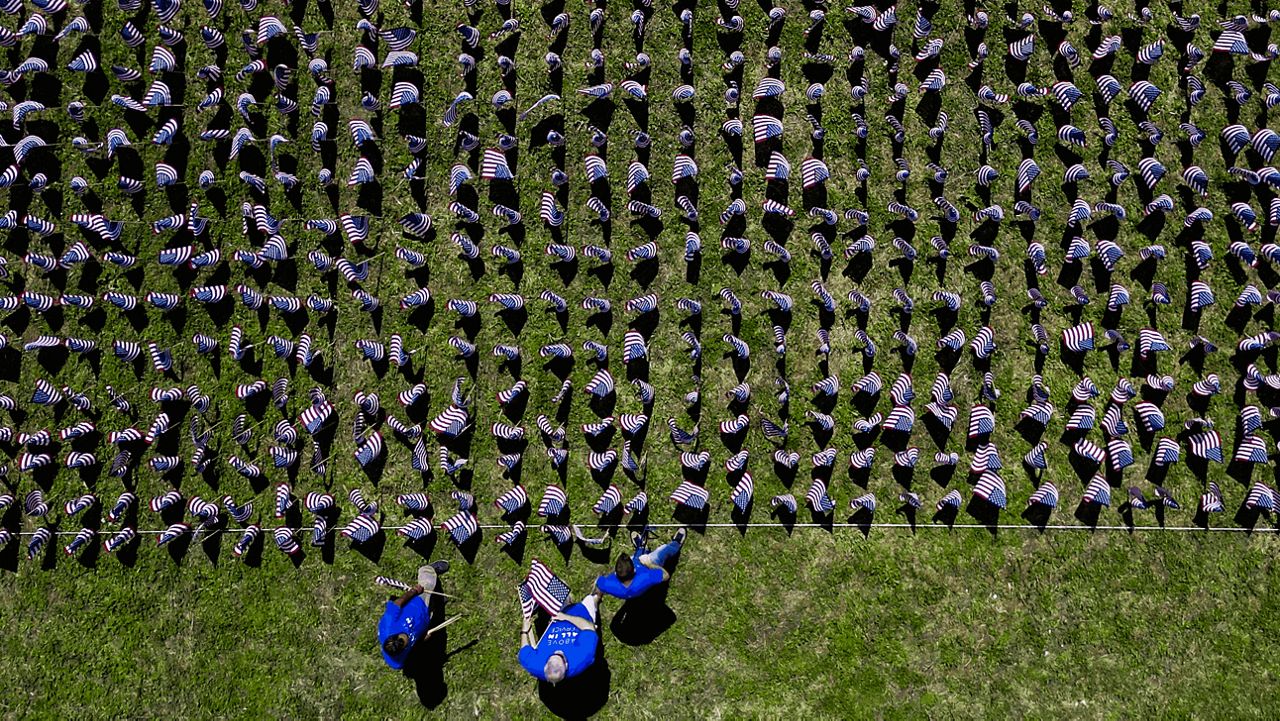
pixel 396 644
pixel 624 569
pixel 555 668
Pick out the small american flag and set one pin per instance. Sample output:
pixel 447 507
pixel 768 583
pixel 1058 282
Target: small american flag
pixel 786 501
pixel 1261 498
pixel 512 500
pixel 1211 500
pixel 417 529
pixel 817 497
pixel 865 501
pixel 554 501
pixel 362 529
pixel 637 504
pixel 691 495
pixel 990 487
pixel 461 527
pixel 743 492
pixel 508 538
pixel 610 500
pixel 391 583
pixel 559 533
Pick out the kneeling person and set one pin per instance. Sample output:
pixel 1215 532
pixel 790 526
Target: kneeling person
pixel 634 575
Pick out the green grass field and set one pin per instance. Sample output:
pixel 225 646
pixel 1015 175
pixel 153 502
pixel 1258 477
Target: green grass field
pixel 817 623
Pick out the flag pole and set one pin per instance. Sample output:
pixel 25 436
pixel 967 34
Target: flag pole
pixel 446 623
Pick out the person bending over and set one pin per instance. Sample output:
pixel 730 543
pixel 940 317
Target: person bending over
pixel 406 619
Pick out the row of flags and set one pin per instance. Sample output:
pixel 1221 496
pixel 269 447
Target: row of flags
pixel 203 519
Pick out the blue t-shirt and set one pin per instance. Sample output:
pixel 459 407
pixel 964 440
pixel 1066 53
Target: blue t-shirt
pixel 645 579
pixel 577 645
pixel 412 619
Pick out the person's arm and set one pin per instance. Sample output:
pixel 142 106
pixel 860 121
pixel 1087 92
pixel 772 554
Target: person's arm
pixel 647 561
pixel 410 594
pixel 528 635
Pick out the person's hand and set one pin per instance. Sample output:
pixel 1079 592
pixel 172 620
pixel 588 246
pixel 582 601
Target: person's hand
pixel 417 589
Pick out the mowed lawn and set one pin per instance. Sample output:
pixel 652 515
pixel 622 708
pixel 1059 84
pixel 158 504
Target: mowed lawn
pixel 958 625
pixel 762 623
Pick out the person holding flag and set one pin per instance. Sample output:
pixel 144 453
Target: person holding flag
pixel 568 645
pixel 406 620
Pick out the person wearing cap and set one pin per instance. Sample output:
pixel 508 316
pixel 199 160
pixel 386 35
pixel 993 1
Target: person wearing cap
pixel 568 645
pixel 635 574
pixel 406 620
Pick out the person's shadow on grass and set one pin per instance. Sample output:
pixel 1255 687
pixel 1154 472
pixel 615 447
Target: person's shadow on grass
pixel 427 658
pixel 425 667
pixel 583 695
pixel 640 621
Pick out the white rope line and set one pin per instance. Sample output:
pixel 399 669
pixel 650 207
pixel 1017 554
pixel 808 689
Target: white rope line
pixel 391 220
pixel 807 525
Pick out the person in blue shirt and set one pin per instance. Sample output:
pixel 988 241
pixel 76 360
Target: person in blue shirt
pixel 635 574
pixel 405 620
pixel 568 645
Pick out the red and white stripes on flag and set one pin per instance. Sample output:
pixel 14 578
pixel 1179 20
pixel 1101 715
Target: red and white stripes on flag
pixel 542 588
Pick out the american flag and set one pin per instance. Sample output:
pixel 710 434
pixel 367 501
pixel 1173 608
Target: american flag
pixel 866 501
pixel 461 527
pixel 369 449
pixel 313 418
pixel 1211 499
pixel 1045 495
pixel 560 533
pixel 638 503
pixel 951 500
pixel 743 492
pixel 609 500
pixel 1261 497
pixel 1167 452
pixel 554 502
pixel 1098 492
pixel 982 421
pixel 391 583
pixel 452 421
pixel 542 588
pixel 1207 445
pixel 1078 339
pixel 124 536
pixel 690 495
pixel 285 539
pixel 38 540
pixel 508 538
pixel 512 500
pixel 990 487
pixel 172 533
pixel 414 502
pixel 1119 453
pixel 1252 449
pixel 417 529
pixel 817 497
pixel 362 529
